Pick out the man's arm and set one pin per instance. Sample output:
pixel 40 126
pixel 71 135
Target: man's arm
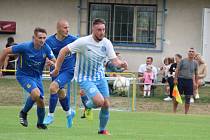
pixel 119 63
pixel 4 54
pixel 61 56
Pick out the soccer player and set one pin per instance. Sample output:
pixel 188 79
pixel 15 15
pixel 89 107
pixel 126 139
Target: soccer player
pixel 92 50
pixel 56 43
pixel 31 61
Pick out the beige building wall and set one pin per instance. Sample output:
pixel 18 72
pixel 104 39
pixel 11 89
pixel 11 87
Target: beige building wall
pixel 183 26
pixel 29 14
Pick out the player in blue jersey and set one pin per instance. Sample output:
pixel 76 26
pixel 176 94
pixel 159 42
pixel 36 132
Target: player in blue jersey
pixel 31 61
pixel 66 74
pixel 92 50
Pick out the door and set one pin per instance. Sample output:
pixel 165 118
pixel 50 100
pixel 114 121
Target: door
pixel 206 40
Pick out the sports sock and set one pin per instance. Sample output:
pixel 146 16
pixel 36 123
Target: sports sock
pixel 84 99
pixel 104 118
pixel 64 103
pixel 53 102
pixel 40 114
pixel 28 105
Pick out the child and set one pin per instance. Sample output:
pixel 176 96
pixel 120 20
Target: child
pixel 148 79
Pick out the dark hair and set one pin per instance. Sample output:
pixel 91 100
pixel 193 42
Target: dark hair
pixel 98 20
pixel 149 57
pixel 38 29
pixel 179 55
pixel 10 41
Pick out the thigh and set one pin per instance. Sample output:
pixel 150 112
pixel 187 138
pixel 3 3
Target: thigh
pixel 63 78
pixel 90 88
pixel 102 85
pixel 188 87
pixel 29 84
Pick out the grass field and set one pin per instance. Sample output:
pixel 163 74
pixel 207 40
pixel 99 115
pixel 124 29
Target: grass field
pixel 122 125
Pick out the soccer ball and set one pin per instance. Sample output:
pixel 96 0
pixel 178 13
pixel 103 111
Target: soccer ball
pixel 121 85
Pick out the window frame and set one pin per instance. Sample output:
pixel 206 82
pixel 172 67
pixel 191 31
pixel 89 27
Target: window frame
pixel 127 44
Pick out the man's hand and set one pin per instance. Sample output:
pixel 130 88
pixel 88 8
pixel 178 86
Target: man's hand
pixel 54 73
pixel 124 65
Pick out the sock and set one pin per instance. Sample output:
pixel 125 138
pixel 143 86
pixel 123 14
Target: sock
pixel 148 93
pixel 28 105
pixel 40 114
pixel 145 93
pixel 104 118
pixel 53 102
pixel 90 104
pixel 64 103
pixel 84 99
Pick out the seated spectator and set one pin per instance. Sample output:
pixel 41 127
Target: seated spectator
pixel 148 79
pixel 171 75
pixel 9 62
pixel 202 72
pixel 113 68
pixel 142 69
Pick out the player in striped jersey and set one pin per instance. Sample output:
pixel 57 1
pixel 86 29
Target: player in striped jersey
pixel 92 50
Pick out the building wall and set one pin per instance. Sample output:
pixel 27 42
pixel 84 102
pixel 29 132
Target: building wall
pixel 29 14
pixel 183 26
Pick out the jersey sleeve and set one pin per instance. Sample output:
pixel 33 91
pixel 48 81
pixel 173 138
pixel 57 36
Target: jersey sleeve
pixel 110 50
pixel 18 49
pixel 75 46
pixel 49 52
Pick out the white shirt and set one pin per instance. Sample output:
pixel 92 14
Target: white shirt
pixel 142 69
pixel 90 57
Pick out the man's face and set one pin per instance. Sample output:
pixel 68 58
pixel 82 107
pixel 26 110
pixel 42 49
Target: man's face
pixel 149 61
pixel 191 53
pixel 63 29
pixel 99 31
pixel 39 38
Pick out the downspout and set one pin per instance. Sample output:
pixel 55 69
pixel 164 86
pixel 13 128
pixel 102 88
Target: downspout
pixel 79 18
pixel 163 26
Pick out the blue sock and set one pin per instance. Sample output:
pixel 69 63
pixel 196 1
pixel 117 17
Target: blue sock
pixel 90 104
pixel 28 105
pixel 40 114
pixel 53 102
pixel 84 99
pixel 64 103
pixel 104 118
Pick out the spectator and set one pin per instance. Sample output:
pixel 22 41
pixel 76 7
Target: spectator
pixel 171 74
pixel 202 71
pixel 110 67
pixel 148 78
pixel 186 76
pixel 9 62
pixel 142 69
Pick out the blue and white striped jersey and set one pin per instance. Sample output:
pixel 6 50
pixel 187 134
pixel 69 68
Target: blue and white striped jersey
pixel 90 57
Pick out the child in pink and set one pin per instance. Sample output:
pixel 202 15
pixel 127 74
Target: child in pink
pixel 148 79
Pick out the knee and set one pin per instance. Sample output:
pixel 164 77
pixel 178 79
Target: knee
pixel 61 94
pixel 54 87
pixel 99 102
pixel 187 99
pixel 106 103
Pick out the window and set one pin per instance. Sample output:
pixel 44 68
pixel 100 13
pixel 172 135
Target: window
pixel 127 25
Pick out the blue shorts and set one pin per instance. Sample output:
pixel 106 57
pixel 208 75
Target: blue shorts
pixel 30 83
pixel 185 86
pixel 63 78
pixel 91 88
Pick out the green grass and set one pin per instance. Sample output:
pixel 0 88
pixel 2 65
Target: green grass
pixel 122 125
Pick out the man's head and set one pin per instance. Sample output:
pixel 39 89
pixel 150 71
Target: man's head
pixel 62 28
pixel 149 60
pixel 191 53
pixel 39 37
pixel 98 29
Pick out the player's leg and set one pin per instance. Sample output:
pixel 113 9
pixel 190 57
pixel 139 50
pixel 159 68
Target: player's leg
pixel 87 113
pixel 28 85
pixel 104 112
pixel 188 90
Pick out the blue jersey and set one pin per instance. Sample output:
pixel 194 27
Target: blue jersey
pixel 31 61
pixel 56 45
